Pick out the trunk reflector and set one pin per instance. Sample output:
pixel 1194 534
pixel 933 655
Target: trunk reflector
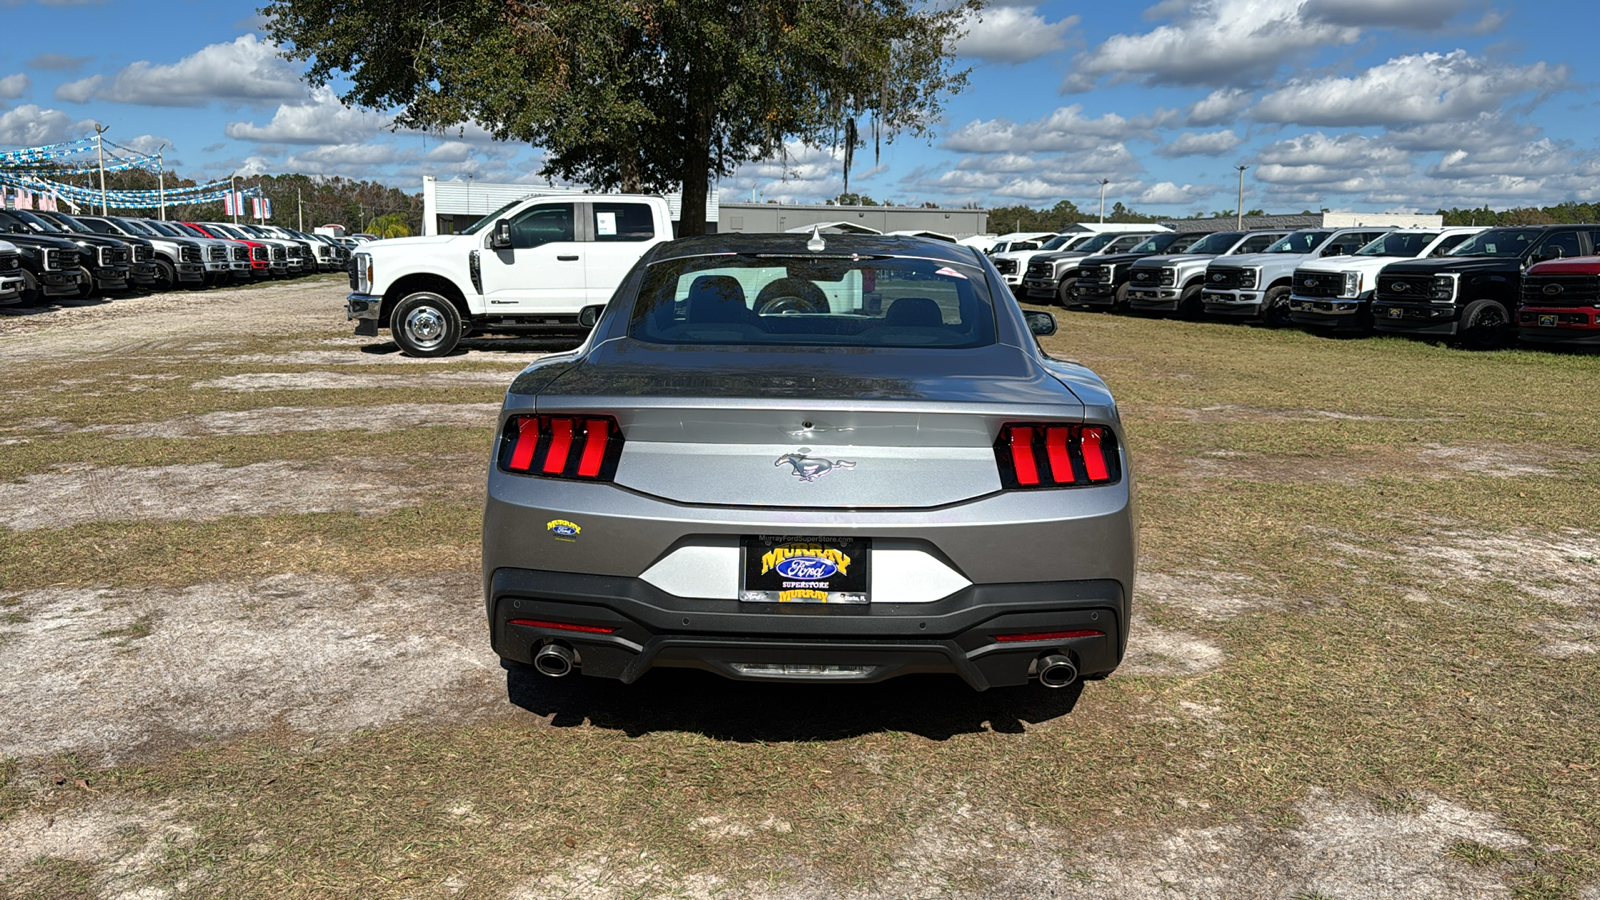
pixel 1047 636
pixel 563 626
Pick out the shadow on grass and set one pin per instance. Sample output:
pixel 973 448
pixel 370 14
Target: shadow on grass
pixel 540 344
pixel 936 707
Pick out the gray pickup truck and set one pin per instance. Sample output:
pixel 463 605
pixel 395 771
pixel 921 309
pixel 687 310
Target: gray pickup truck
pixel 1172 283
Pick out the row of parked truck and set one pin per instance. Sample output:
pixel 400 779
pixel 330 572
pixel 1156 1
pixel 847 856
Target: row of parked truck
pixel 1480 288
pixel 50 256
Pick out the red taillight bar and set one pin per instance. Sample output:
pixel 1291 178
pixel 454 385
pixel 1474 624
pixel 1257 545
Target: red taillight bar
pixel 1047 636
pixel 1045 455
pixel 563 626
pixel 586 447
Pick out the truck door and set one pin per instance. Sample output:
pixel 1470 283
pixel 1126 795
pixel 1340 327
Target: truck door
pixel 618 233
pixel 543 271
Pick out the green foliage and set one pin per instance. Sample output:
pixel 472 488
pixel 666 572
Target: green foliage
pixel 392 225
pixel 1569 213
pixel 850 199
pixel 326 200
pixel 640 94
pixel 1025 218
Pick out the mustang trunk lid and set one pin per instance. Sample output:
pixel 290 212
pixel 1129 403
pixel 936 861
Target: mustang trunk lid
pixel 810 426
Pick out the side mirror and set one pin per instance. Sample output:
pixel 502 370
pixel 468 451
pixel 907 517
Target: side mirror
pixel 590 315
pixel 1042 324
pixel 1552 253
pixel 1335 250
pixel 501 238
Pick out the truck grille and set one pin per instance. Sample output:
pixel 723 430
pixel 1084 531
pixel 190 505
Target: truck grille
pixel 119 256
pixel 241 254
pixel 189 254
pixel 279 254
pixel 1006 266
pixel 1094 274
pixel 1405 287
pixel 61 259
pixel 1224 278
pixel 1041 269
pixel 10 262
pixel 1319 284
pixel 1560 290
pixel 259 254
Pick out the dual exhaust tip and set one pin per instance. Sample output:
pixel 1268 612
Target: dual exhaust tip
pixel 1057 670
pixel 555 660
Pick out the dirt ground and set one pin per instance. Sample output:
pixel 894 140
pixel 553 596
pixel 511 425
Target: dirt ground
pixel 1366 647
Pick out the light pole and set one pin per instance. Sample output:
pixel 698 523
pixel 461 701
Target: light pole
pixel 1103 183
pixel 100 155
pixel 161 182
pixel 1239 210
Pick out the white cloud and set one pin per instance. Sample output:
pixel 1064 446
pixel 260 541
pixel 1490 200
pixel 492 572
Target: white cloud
pixel 247 70
pixel 451 152
pixel 1166 193
pixel 1225 42
pixel 1424 15
pixel 58 62
pixel 1214 143
pixel 1219 107
pixel 1347 163
pixel 318 119
pixel 14 86
pixel 342 158
pixel 804 175
pixel 1426 87
pixel 1541 157
pixel 30 126
pixel 148 143
pixel 1064 129
pixel 1013 34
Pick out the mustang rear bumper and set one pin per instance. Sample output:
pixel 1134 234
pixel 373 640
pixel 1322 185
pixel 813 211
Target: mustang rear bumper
pixel 804 642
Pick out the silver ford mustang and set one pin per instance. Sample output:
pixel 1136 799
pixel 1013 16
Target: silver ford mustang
pixel 811 458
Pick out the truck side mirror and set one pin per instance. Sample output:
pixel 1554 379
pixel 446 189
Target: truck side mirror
pixel 501 238
pixel 1335 250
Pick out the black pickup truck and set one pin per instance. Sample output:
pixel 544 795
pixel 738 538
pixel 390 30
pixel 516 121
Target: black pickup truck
pixel 49 266
pixel 1103 282
pixel 1469 296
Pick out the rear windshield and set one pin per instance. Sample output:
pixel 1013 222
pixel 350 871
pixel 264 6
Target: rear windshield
pixel 1505 242
pixel 806 301
pixel 1399 243
pixel 1217 242
pixel 1299 242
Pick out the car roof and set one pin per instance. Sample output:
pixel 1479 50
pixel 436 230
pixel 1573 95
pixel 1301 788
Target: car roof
pixel 795 244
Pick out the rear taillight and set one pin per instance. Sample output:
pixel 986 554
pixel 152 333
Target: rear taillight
pixel 1052 456
pixel 576 446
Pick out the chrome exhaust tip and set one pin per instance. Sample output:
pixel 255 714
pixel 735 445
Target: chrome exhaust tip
pixel 554 660
pixel 1057 671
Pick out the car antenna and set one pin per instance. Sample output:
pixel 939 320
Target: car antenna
pixel 816 244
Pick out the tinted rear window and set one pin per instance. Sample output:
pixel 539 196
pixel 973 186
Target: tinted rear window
pixel 805 301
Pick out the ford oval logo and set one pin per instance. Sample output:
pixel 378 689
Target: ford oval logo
pixel 1552 289
pixel 1217 277
pixel 1310 282
pixel 1399 287
pixel 807 568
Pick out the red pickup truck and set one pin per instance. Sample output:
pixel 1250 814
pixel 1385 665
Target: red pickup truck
pixel 1561 302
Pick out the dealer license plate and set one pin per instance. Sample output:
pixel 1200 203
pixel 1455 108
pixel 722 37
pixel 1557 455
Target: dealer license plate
pixel 1396 312
pixel 786 568
pixel 1547 321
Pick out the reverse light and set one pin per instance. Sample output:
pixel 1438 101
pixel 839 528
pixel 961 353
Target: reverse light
pixel 1052 456
pixel 576 446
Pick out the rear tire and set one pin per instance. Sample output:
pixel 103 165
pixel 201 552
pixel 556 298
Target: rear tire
pixel 1119 300
pixel 426 325
pixel 1275 307
pixel 166 276
pixel 85 284
pixel 1485 325
pixel 1064 291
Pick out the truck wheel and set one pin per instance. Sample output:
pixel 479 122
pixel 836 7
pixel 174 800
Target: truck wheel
pixel 1484 326
pixel 85 283
pixel 1275 307
pixel 166 276
pixel 1119 300
pixel 1064 291
pixel 1189 306
pixel 30 290
pixel 425 324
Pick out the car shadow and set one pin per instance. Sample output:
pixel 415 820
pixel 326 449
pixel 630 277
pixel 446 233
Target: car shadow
pixel 495 344
pixel 936 707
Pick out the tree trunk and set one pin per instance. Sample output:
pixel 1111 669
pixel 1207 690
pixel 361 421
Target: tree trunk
pixel 696 160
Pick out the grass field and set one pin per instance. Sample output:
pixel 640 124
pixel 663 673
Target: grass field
pixel 242 653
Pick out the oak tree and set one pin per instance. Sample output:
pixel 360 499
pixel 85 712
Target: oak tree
pixel 641 95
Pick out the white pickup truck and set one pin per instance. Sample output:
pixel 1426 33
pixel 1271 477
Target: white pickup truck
pixel 540 264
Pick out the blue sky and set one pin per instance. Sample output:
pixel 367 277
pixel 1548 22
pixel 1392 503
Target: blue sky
pixel 1366 105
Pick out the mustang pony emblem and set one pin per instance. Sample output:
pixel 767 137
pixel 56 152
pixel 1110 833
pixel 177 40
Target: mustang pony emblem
pixel 810 468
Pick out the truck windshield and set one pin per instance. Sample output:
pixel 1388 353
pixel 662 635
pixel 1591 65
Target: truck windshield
pixel 804 301
pixel 1399 243
pixel 38 223
pixel 488 220
pixel 134 227
pixel 1505 242
pixel 1299 242
pixel 1216 243
pixel 1094 243
pixel 1057 242
pixel 1155 243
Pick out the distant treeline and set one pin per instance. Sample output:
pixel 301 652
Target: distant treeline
pixel 324 200
pixel 1560 214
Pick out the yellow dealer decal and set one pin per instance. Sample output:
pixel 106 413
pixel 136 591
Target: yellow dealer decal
pixel 816 552
pixel 563 530
pixel 792 596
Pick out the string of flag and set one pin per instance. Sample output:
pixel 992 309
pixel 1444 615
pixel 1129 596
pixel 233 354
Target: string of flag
pixel 22 186
pixel 205 193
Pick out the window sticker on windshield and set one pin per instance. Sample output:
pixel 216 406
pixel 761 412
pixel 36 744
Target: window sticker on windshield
pixel 951 272
pixel 605 224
